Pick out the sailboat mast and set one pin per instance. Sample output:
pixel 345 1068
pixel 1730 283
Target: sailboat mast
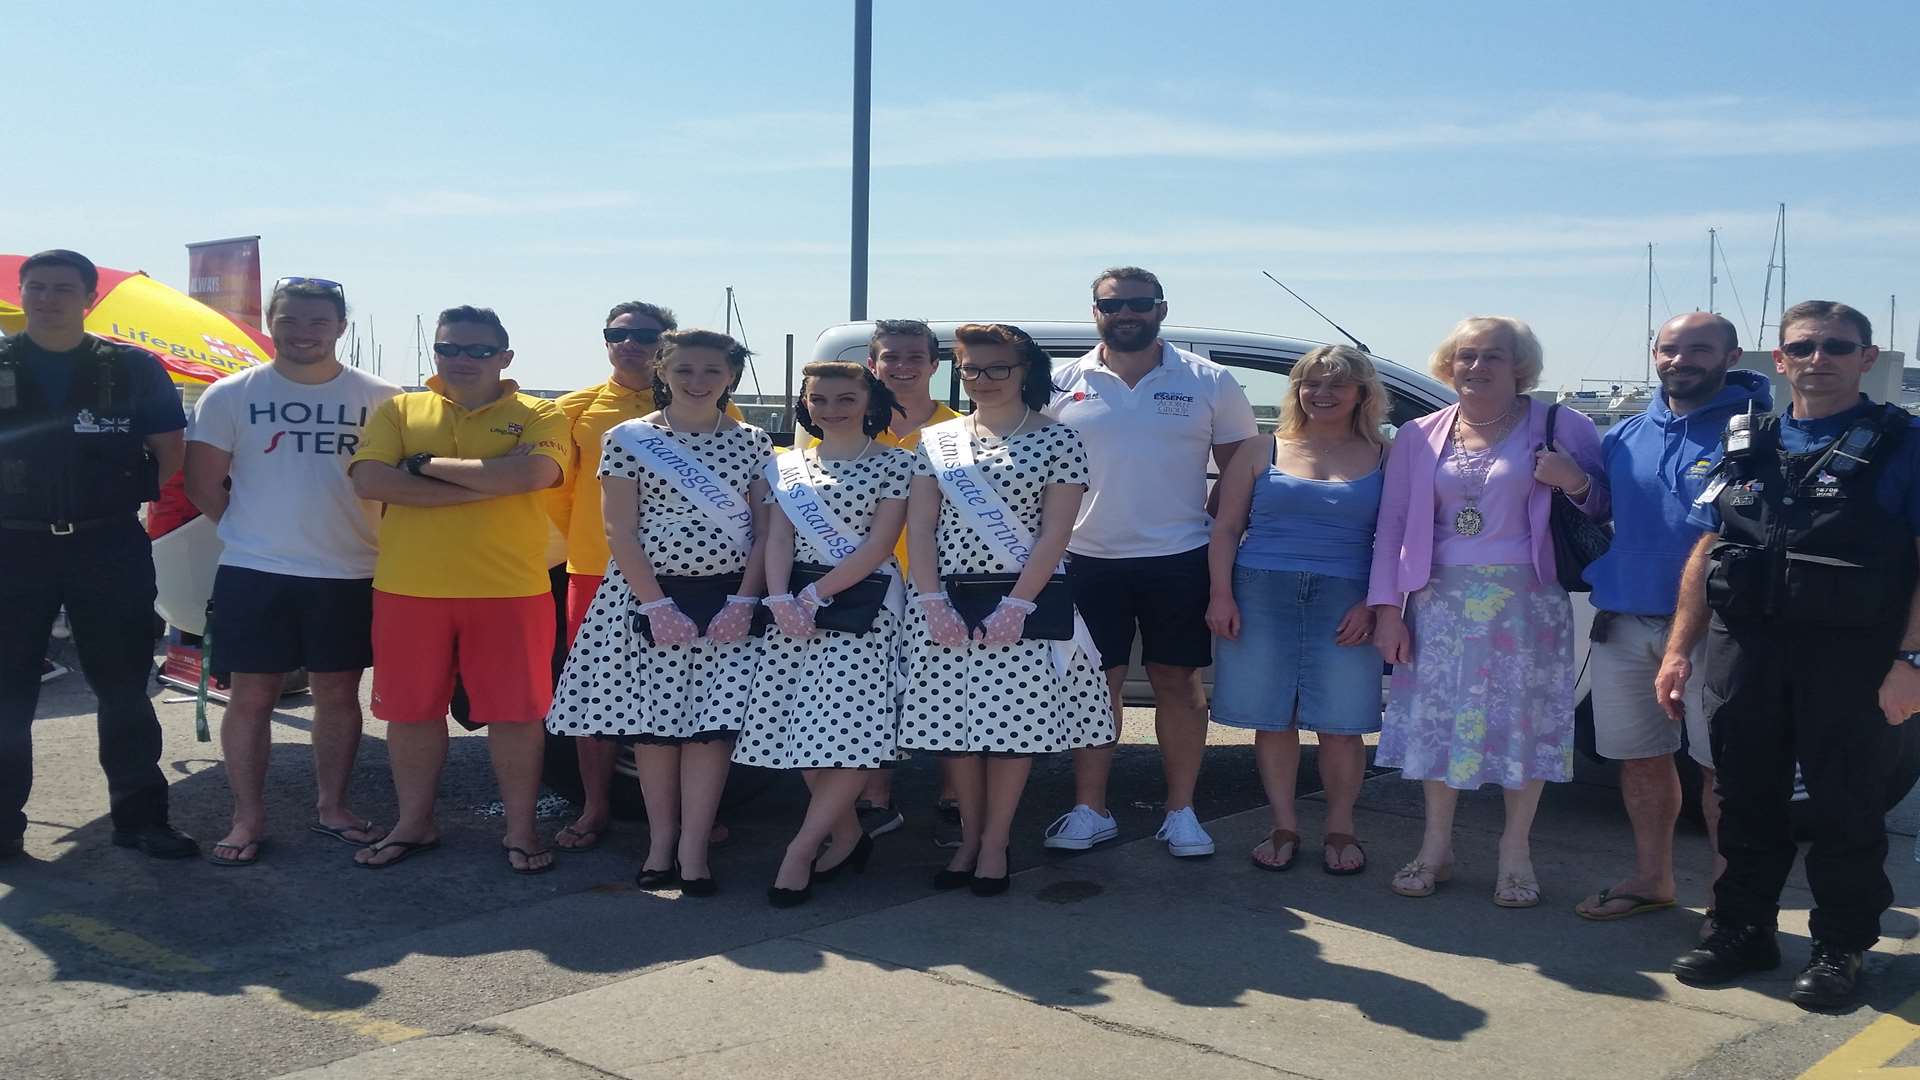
pixel 1649 354
pixel 1713 276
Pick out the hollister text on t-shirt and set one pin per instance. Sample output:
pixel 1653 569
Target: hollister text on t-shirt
pixel 293 509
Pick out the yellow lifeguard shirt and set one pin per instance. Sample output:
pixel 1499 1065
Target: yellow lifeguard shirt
pixel 575 505
pixel 909 441
pixel 492 547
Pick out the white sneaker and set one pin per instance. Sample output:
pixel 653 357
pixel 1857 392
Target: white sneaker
pixel 1183 834
pixel 1080 828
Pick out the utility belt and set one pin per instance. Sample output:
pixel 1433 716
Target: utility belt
pixel 57 528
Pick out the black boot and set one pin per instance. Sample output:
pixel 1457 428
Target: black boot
pixel 1731 951
pixel 1827 982
pixel 159 840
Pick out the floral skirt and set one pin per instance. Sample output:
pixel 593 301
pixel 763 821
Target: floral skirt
pixel 1488 698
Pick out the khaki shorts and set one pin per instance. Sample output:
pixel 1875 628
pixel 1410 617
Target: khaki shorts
pixel 1628 721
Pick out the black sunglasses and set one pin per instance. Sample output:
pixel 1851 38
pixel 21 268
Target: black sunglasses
pixel 995 373
pixel 639 335
pixel 476 352
pixel 1800 350
pixel 1113 305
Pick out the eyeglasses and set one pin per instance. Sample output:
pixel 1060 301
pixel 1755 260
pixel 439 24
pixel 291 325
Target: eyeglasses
pixel 1800 350
pixel 324 283
pixel 994 373
pixel 476 352
pixel 1113 305
pixel 639 335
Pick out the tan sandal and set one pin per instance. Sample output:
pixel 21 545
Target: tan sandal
pixel 1273 841
pixel 1420 879
pixel 1526 891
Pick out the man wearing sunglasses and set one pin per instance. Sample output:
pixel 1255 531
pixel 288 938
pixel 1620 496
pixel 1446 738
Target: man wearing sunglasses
pixel 1804 588
pixel 267 460
pixel 461 583
pixel 632 339
pixel 88 429
pixel 1150 415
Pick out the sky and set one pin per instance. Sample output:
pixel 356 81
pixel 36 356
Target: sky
pixel 1400 166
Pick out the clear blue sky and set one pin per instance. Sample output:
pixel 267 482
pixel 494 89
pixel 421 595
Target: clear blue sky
pixel 1400 165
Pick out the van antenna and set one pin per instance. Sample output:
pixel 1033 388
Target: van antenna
pixel 1357 343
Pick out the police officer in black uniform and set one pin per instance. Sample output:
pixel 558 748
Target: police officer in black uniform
pixel 87 428
pixel 1813 651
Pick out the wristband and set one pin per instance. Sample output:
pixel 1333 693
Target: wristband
pixel 1024 606
pixel 413 463
pixel 929 597
pixel 656 605
pixel 1582 493
pixel 754 600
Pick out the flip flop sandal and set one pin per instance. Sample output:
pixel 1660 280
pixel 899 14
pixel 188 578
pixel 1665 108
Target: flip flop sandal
pixel 1330 848
pixel 408 849
pixel 1274 839
pixel 339 832
pixel 580 836
pixel 529 856
pixel 1638 905
pixel 1514 883
pixel 259 848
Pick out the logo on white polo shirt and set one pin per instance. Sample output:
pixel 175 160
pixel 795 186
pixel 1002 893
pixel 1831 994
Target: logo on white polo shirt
pixel 1172 404
pixel 1086 395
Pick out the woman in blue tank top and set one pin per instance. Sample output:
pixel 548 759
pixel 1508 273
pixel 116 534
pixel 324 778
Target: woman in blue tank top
pixel 1291 550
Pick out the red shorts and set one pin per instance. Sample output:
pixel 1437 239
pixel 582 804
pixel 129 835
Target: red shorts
pixel 501 647
pixel 580 590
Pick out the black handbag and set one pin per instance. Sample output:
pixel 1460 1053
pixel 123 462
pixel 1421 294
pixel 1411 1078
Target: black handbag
pixel 854 608
pixel 974 596
pixel 1578 540
pixel 700 599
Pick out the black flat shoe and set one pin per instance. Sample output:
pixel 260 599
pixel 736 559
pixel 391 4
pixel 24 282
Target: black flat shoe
pixel 699 886
pixel 991 886
pixel 857 858
pixel 1829 979
pixel 947 880
pixel 159 841
pixel 786 898
pixel 658 879
pixel 1732 951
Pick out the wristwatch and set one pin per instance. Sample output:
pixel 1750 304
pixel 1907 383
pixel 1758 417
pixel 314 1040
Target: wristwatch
pixel 1912 658
pixel 416 462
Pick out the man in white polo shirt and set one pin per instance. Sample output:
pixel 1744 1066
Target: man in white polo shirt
pixel 1150 415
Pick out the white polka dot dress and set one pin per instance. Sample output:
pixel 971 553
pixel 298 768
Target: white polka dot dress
pixel 615 683
pixel 1003 699
pixel 831 701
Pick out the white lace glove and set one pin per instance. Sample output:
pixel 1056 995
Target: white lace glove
pixel 668 624
pixel 794 618
pixel 1003 627
pixel 734 620
pixel 944 625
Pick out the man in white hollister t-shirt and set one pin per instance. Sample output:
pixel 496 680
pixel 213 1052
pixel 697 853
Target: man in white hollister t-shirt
pixel 295 584
pixel 1150 416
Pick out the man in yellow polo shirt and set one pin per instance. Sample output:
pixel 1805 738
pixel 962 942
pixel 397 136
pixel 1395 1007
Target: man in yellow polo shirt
pixel 903 353
pixel 461 584
pixel 632 337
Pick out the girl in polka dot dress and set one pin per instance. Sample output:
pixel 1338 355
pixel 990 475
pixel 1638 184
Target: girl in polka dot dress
pixel 825 702
pixel 988 694
pixel 682 495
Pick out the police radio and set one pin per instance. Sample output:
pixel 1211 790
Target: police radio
pixel 1739 436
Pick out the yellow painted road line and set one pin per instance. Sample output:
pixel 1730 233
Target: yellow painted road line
pixel 385 1031
pixel 123 945
pixel 1865 1056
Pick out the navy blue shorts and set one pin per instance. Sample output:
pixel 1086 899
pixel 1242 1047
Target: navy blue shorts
pixel 1162 597
pixel 265 624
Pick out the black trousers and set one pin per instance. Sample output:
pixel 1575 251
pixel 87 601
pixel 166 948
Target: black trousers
pixel 104 578
pixel 1782 694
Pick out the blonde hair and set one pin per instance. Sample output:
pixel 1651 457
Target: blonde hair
pixel 1338 362
pixel 1529 359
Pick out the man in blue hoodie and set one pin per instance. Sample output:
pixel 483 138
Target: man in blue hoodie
pixel 1657 465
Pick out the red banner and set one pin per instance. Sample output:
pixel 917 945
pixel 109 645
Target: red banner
pixel 225 276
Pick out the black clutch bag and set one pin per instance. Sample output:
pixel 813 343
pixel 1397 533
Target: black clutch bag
pixel 699 599
pixel 1578 540
pixel 975 596
pixel 854 608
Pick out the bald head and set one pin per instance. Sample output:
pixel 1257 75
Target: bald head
pixel 1692 354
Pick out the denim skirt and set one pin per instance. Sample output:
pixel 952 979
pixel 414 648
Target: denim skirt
pixel 1285 671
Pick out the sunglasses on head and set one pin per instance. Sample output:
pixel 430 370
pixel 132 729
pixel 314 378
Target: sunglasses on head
pixel 639 335
pixel 1114 305
pixel 324 283
pixel 994 373
pixel 476 352
pixel 1800 350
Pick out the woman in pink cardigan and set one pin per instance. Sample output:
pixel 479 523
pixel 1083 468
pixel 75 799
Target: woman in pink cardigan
pixel 1482 688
